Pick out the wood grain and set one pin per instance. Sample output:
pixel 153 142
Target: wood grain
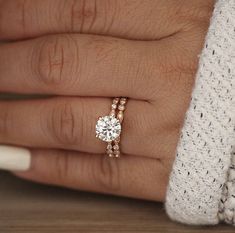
pixel 32 208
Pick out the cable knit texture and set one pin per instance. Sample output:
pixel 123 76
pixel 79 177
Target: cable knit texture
pixel 202 187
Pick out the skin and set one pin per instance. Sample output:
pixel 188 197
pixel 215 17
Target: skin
pixel 83 53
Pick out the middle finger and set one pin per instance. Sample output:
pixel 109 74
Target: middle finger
pixel 81 65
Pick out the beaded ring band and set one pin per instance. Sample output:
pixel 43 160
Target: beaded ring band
pixel 108 128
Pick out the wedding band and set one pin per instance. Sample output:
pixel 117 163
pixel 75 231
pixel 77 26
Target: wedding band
pixel 108 128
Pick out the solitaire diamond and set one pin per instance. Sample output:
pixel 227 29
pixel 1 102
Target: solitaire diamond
pixel 108 128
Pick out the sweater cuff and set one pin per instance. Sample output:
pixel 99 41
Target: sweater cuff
pixel 199 181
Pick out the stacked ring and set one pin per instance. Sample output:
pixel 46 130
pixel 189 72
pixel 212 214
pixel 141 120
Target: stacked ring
pixel 108 128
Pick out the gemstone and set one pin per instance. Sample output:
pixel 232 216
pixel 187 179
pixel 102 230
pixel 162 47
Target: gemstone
pixel 121 107
pixel 109 152
pixel 123 101
pixel 114 106
pixel 109 147
pixel 116 147
pixel 117 152
pixel 108 128
pixel 116 100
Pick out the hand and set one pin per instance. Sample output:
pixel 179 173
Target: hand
pixel 84 53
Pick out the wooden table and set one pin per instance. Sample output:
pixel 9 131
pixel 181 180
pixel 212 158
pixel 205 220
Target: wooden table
pixel 33 208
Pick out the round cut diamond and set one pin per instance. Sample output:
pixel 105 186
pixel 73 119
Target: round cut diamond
pixel 108 128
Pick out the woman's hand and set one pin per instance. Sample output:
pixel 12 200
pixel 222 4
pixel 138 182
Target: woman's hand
pixel 84 53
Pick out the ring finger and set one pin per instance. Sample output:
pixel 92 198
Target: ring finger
pixel 69 123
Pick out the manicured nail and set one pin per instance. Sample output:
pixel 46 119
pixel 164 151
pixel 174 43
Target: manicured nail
pixel 14 158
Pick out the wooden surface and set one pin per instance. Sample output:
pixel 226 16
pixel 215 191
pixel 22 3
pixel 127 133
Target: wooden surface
pixel 32 208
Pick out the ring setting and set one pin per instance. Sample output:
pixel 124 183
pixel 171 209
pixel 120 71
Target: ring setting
pixel 108 128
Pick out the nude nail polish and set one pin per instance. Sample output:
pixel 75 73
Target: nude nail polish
pixel 14 158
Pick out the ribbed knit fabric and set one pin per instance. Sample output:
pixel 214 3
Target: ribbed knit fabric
pixel 200 179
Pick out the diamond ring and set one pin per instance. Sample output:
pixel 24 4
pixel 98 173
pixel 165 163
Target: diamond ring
pixel 108 128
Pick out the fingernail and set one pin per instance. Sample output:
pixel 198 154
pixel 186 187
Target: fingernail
pixel 14 158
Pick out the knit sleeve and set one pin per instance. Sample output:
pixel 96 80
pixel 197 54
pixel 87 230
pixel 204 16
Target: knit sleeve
pixel 201 189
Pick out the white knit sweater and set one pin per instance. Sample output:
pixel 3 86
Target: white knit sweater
pixel 202 184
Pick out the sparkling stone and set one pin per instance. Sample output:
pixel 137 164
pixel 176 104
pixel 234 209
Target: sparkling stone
pixel 117 152
pixel 113 113
pixel 115 101
pixel 109 147
pixel 122 101
pixel 109 151
pixel 108 128
pixel 114 106
pixel 116 147
pixel 121 107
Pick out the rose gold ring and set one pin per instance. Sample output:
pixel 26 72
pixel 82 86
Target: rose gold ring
pixel 108 128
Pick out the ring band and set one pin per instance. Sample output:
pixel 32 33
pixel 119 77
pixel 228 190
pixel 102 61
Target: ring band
pixel 108 128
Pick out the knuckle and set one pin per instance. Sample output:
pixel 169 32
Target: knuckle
pixel 18 20
pixel 83 15
pixel 86 15
pixel 107 174
pixel 62 125
pixel 55 61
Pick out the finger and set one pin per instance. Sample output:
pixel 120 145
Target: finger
pixel 147 178
pixel 144 20
pixel 81 65
pixel 69 123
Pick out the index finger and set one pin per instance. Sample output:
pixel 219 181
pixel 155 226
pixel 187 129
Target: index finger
pixel 143 20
